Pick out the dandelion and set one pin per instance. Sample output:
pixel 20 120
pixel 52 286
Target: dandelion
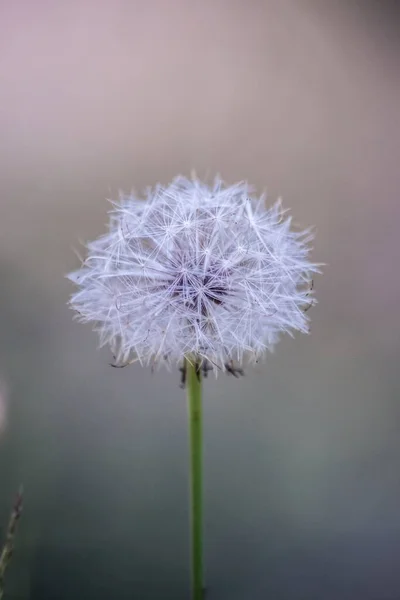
pixel 195 271
pixel 204 275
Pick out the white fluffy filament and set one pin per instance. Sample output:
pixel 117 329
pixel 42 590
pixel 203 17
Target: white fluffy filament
pixel 195 270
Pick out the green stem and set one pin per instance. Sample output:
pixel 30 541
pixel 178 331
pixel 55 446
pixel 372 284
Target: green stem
pixel 193 383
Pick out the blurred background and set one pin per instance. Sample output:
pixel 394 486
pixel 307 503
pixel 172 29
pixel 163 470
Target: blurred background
pixel 302 456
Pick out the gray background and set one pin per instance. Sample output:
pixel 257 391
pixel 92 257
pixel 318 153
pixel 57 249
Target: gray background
pixel 302 456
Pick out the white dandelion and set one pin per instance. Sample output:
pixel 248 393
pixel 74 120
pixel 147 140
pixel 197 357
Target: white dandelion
pixel 199 271
pixel 200 275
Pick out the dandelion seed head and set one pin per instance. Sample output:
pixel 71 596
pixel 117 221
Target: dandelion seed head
pixel 194 270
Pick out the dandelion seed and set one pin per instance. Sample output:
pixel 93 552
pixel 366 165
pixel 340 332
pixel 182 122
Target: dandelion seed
pixel 195 270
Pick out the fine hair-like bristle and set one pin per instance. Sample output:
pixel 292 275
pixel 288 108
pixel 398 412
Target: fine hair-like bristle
pixel 195 270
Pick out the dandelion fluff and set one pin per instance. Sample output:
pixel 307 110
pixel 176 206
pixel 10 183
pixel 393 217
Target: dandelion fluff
pixel 194 270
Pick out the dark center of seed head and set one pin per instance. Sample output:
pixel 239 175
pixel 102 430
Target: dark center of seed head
pixel 213 291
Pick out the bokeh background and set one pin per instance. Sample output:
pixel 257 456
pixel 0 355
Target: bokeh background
pixel 302 456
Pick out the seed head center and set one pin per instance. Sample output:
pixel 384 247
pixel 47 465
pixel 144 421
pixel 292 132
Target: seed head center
pixel 197 290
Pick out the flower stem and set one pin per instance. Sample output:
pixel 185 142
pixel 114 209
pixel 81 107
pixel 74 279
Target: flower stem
pixel 193 386
pixel 8 547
